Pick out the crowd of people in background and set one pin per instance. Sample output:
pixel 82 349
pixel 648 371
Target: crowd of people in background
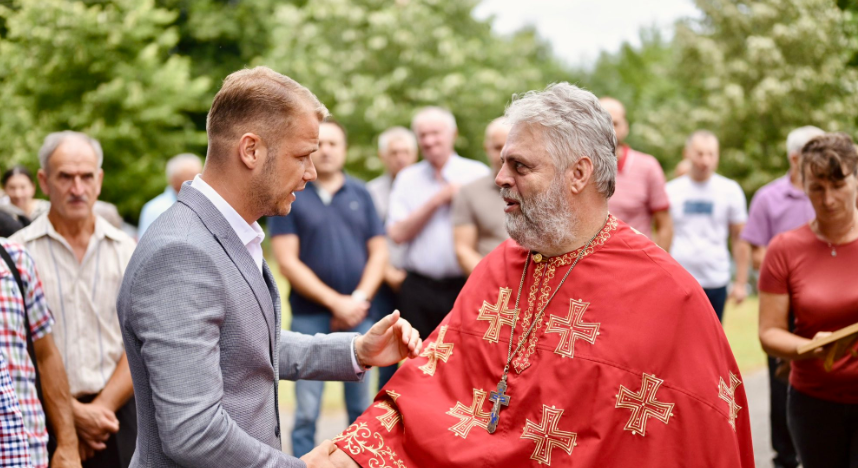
pixel 352 252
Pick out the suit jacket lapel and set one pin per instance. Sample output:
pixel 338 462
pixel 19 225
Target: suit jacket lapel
pixel 237 251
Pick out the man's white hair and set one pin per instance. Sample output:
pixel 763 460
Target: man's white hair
pixel 181 160
pixel 393 134
pixel 575 124
pixel 800 136
pixel 55 139
pixel 439 111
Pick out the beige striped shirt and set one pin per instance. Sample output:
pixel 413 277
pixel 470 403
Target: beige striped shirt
pixel 82 297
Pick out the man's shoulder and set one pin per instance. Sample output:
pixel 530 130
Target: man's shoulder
pixel 479 185
pixel 472 166
pixel 772 189
pixel 678 183
pixel 379 183
pixel 36 229
pixel 643 258
pixel 414 171
pixel 645 160
pixel 356 184
pixel 114 234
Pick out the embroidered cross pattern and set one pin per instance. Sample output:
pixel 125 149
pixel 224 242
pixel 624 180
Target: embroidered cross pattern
pixel 497 315
pixel 470 416
pixel 728 394
pixel 435 351
pixel 644 405
pixel 547 436
pixel 390 418
pixel 572 328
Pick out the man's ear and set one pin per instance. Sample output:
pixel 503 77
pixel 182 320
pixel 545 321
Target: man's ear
pixel 251 150
pixel 579 174
pixel 43 182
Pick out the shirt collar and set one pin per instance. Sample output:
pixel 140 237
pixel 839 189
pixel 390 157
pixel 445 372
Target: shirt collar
pixel 42 227
pixel 247 233
pixel 790 190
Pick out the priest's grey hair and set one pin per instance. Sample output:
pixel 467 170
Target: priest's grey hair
pixel 54 140
pixel 575 125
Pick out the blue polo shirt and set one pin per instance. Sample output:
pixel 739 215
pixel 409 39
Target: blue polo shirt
pixel 332 238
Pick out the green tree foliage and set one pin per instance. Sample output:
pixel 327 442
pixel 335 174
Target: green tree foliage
pixel 750 71
pixel 104 69
pixel 374 62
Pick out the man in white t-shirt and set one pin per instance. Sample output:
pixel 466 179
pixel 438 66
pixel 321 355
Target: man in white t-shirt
pixel 707 208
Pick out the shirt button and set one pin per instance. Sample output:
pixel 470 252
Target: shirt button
pixel 537 257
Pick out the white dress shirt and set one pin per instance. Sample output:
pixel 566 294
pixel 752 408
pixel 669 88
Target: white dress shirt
pixel 431 253
pixel 251 235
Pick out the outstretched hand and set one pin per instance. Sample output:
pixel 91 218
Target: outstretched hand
pixel 389 341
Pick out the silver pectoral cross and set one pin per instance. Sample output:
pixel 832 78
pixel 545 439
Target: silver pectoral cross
pixel 499 399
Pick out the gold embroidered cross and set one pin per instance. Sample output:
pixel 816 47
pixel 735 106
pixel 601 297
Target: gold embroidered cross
pixel 390 418
pixel 643 405
pixel 497 315
pixel 728 394
pixel 572 328
pixel 470 417
pixel 435 351
pixel 547 436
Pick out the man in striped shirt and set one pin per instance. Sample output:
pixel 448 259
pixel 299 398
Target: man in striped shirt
pixel 82 259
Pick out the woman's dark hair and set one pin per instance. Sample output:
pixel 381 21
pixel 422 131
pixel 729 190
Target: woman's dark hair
pixel 17 170
pixel 831 156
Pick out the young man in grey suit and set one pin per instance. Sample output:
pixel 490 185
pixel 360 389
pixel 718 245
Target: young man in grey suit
pixel 200 311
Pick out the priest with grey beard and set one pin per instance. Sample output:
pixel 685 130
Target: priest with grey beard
pixel 578 342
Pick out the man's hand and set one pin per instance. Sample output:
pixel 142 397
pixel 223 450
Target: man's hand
pixel 94 423
pixel 349 311
pixel 446 194
pixel 66 457
pixel 738 292
pixel 389 341
pixel 341 460
pixel 320 457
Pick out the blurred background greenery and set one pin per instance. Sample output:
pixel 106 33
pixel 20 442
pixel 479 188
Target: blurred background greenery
pixel 139 75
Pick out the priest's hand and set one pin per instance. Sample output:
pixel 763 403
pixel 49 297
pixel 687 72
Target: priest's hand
pixel 320 457
pixel 389 341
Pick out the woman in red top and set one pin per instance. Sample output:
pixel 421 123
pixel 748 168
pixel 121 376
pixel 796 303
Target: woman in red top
pixel 811 273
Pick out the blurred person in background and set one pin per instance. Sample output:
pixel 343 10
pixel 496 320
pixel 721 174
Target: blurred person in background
pixel 478 209
pixel 35 363
pixel 20 187
pixel 82 259
pixel 397 149
pixel 808 278
pixel 332 249
pixel 180 168
pixel 707 209
pixel 640 198
pixel 777 207
pixel 420 217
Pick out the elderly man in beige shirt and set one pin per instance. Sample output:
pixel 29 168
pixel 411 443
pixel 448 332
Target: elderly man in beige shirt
pixel 81 259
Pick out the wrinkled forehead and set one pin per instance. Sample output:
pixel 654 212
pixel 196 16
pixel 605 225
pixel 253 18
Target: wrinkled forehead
pixel 526 141
pixel 74 154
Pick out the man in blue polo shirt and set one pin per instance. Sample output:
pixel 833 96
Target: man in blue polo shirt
pixel 332 249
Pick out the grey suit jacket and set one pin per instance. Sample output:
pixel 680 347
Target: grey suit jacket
pixel 202 333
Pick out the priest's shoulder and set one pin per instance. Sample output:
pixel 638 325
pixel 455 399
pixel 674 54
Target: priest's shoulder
pixel 640 255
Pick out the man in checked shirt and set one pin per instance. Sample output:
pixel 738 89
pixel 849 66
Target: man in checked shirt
pixel 13 346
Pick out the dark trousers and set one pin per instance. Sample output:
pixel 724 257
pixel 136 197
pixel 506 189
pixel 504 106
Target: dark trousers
pixel 120 446
pixel 825 433
pixel 717 297
pixel 785 456
pixel 424 301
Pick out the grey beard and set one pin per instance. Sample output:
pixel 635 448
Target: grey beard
pixel 545 222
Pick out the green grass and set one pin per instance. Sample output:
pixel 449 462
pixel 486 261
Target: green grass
pixel 740 325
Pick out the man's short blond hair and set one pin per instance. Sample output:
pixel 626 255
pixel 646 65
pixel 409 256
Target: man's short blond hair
pixel 257 100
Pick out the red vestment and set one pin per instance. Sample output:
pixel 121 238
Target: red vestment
pixel 629 366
